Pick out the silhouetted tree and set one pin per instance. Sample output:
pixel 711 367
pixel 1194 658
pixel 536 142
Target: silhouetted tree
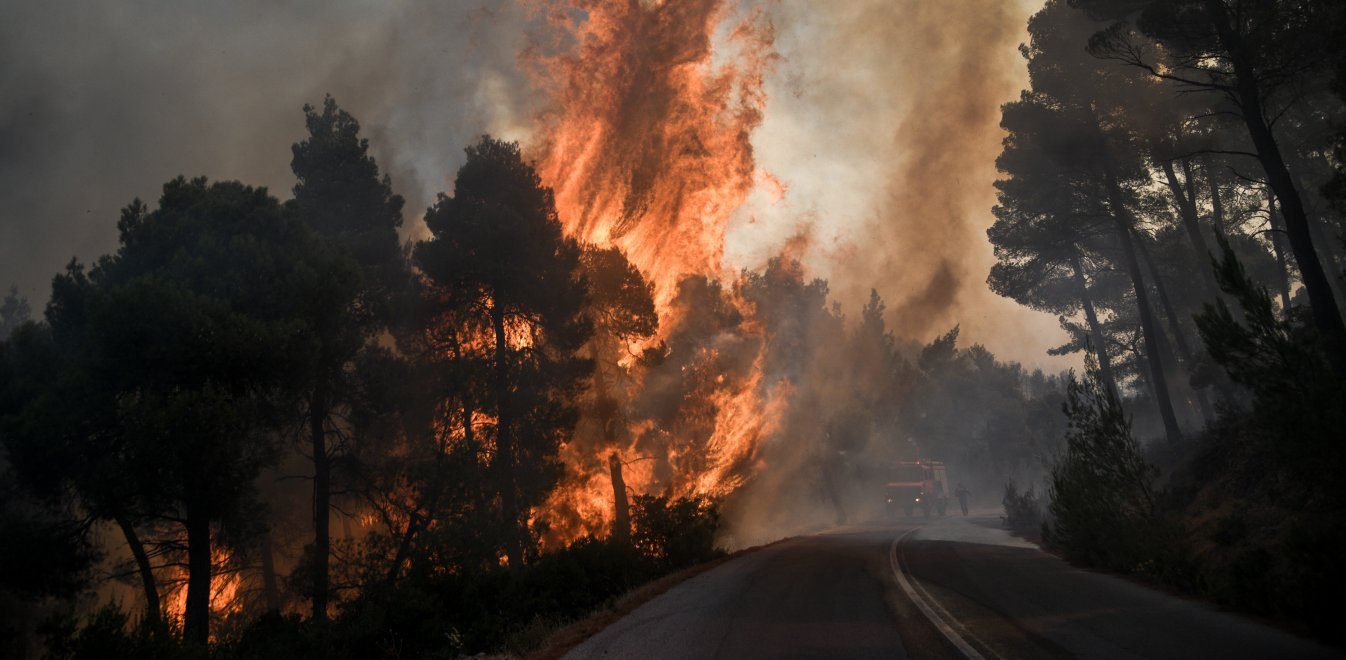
pixel 1081 129
pixel 183 345
pixel 340 196
pixel 14 311
pixel 1258 55
pixel 499 263
pixel 621 308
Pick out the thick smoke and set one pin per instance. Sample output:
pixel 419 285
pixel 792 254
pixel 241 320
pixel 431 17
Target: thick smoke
pixel 882 124
pixel 103 102
pixel 858 138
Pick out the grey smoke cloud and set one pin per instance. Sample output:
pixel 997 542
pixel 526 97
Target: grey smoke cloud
pixel 881 121
pixel 103 102
pixel 883 124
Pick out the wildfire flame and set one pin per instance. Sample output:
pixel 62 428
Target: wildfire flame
pixel 646 143
pixel 226 592
pixel 646 140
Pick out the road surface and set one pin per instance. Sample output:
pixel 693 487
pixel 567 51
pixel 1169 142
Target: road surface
pixel 953 588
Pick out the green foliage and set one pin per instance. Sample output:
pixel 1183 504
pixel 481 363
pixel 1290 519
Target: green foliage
pixel 1103 500
pixel 677 533
pixel 448 614
pixel 507 305
pixel 14 312
pixel 620 299
pixel 1298 404
pixel 340 195
pixel 42 553
pixel 1023 510
pixel 109 634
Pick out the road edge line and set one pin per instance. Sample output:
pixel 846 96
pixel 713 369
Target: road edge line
pixel 926 604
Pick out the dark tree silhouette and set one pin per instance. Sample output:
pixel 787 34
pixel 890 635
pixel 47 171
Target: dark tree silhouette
pixel 185 346
pixel 621 308
pixel 340 195
pixel 1256 54
pixel 1080 127
pixel 14 311
pixel 498 260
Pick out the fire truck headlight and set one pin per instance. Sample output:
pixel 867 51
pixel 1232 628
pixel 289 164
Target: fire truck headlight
pixel 918 499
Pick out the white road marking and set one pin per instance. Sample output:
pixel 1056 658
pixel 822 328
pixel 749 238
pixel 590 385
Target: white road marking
pixel 942 620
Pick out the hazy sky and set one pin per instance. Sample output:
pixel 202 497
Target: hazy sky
pixel 881 120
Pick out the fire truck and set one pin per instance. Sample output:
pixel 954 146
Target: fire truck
pixel 918 484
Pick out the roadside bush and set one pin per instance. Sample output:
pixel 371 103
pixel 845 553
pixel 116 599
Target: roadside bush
pixel 1023 511
pixel 675 534
pixel 1298 404
pixel 1103 501
pixel 109 634
pixel 448 613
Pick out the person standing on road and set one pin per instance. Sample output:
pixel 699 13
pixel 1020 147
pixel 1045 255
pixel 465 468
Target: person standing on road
pixel 961 493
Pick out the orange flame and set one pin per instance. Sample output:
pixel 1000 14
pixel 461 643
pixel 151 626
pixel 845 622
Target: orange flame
pixel 226 592
pixel 646 143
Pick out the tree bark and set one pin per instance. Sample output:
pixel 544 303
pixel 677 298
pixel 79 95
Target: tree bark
pixel 147 581
pixel 1100 348
pixel 1216 203
pixel 504 443
pixel 1192 226
pixel 196 615
pixel 418 521
pixel 621 521
pixel 1322 304
pixel 1185 356
pixel 270 588
pixel 322 494
pixel 1276 238
pixel 1122 218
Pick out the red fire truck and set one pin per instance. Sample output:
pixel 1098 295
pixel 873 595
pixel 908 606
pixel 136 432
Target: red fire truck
pixel 917 484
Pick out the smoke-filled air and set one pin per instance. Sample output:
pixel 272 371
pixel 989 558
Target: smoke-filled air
pixel 415 329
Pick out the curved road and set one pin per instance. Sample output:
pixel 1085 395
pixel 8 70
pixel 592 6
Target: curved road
pixel 953 588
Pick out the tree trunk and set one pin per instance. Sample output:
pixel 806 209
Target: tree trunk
pixel 1322 304
pixel 147 581
pixel 1276 239
pixel 196 615
pixel 1216 203
pixel 504 443
pixel 1334 275
pixel 1185 356
pixel 270 590
pixel 621 522
pixel 1192 226
pixel 1122 218
pixel 322 494
pixel 417 521
pixel 1100 348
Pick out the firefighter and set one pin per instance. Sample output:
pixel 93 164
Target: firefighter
pixel 961 493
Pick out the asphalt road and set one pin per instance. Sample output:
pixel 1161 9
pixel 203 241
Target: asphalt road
pixel 953 588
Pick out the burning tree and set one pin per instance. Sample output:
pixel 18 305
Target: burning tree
pixel 501 270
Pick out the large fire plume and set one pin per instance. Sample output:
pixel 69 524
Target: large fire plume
pixel 646 141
